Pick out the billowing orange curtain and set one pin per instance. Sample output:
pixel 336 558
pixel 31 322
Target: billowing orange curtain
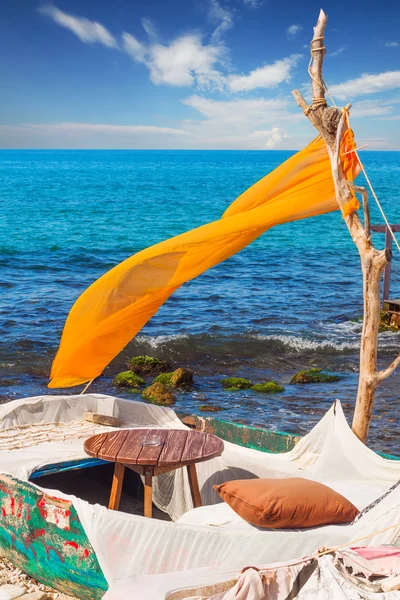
pixel 116 306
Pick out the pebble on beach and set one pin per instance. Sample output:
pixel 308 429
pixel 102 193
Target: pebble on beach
pixel 14 584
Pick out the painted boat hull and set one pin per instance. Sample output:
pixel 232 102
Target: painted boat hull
pixel 43 536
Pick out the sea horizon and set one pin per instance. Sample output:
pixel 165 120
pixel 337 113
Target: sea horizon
pixel 291 300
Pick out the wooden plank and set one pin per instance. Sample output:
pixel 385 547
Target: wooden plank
pixel 116 488
pixel 112 444
pixel 173 448
pixel 132 446
pixel 382 228
pixel 193 450
pixel 194 485
pixel 148 493
pixel 93 445
pixel 151 453
pixel 101 419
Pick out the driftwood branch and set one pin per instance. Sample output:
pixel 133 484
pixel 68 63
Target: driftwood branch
pixel 382 375
pixel 331 123
pixel 367 218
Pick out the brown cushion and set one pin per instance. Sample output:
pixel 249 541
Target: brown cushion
pixel 286 503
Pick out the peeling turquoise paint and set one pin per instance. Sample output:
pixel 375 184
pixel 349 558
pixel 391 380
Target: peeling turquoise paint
pixel 44 537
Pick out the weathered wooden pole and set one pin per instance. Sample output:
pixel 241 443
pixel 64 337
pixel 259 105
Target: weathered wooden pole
pixel 389 244
pixel 331 123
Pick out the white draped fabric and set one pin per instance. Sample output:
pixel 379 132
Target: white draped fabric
pixel 208 542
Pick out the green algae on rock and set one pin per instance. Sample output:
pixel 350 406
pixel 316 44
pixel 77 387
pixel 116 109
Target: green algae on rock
pixel 164 378
pixel 268 387
pixel 232 384
pixel 158 393
pixel 387 323
pixel 128 379
pixel 178 378
pixel 313 376
pixel 148 365
pixel 210 408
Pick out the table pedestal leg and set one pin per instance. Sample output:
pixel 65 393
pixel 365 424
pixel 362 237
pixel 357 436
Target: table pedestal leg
pixel 148 493
pixel 194 485
pixel 116 489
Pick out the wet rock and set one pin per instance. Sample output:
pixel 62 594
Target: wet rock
pixel 128 379
pixel 313 376
pixel 148 365
pixel 387 322
pixel 182 377
pixel 211 408
pixel 268 387
pixel 164 378
pixel 178 378
pixel 10 591
pixel 233 384
pixel 158 393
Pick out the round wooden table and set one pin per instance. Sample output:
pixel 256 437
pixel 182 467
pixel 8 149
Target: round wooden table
pixel 150 452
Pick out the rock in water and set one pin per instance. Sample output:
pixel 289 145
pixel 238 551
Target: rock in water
pixel 181 377
pixel 387 322
pixel 269 387
pixel 210 408
pixel 313 376
pixel 148 365
pixel 128 379
pixel 164 378
pixel 231 384
pixel 158 393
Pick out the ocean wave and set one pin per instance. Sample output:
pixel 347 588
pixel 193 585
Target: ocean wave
pixel 387 341
pixel 252 344
pixel 299 344
pixel 160 340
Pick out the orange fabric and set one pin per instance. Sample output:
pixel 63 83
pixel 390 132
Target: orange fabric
pixel 348 160
pixel 116 306
pixel 286 503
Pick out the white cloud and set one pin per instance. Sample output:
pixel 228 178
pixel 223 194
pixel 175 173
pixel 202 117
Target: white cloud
pixel 254 109
pixel 253 3
pixel 293 30
pixel 92 135
pixel 271 138
pixel 183 62
pixel 369 108
pixel 337 52
pixel 242 123
pixel 268 76
pixel 392 44
pixel 375 143
pixel 106 128
pixel 366 84
pixel 222 17
pixel 87 31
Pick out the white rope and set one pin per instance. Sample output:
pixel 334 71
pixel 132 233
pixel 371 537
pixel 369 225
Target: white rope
pixel 370 184
pixel 377 201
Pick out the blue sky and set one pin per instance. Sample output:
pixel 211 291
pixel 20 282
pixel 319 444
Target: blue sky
pixel 191 73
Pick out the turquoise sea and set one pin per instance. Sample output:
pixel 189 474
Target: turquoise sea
pixel 289 301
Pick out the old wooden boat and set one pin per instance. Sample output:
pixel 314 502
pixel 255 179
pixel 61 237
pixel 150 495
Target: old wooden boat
pixel 43 536
pixel 41 530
